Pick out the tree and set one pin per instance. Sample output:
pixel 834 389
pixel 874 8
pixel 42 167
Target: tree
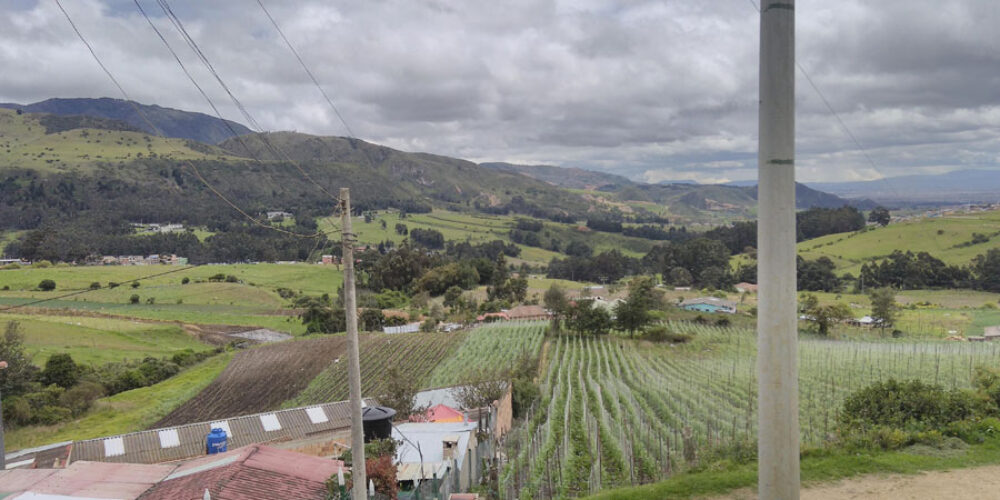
pixel 824 315
pixel 47 285
pixel 986 269
pixel 555 301
pixel 632 314
pixel 884 307
pixel 483 389
pixel 879 215
pixel 19 373
pixel 584 318
pixel 60 369
pixel 678 276
pixel 371 320
pixel 401 393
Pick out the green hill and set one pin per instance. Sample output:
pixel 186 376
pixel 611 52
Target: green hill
pixel 943 237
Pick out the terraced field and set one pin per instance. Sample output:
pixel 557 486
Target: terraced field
pixel 260 379
pixel 415 354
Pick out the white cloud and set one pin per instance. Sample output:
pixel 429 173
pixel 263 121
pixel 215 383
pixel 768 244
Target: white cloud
pixel 646 89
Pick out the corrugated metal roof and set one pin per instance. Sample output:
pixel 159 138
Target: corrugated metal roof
pixel 86 479
pixel 160 445
pixel 414 472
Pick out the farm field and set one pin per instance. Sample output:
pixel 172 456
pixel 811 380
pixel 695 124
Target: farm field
pixel 126 411
pixel 940 236
pixel 614 413
pixel 414 354
pixel 99 340
pixel 488 351
pixel 260 379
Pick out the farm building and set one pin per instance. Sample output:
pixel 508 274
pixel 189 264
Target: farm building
pixel 491 317
pixel 991 333
pixel 527 313
pixel 746 287
pixel 709 305
pixel 439 413
pixel 407 328
pixel 82 480
pixel 449 451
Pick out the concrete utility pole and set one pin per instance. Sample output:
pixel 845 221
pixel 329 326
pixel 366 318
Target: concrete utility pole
pixel 777 332
pixel 354 358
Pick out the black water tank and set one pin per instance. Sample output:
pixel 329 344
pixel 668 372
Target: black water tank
pixel 378 422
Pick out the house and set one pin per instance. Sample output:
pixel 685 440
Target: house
pixel 440 413
pixel 254 472
pixel 527 313
pixel 991 333
pixel 491 317
pixel 709 305
pixel 746 287
pixel 448 451
pixel 329 260
pixel 82 480
pixel 278 214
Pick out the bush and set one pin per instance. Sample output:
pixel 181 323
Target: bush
pixel 185 280
pixel 95 286
pixel 112 284
pixel 232 279
pixel 135 284
pixel 664 334
pixel 79 398
pixel 134 299
pixel 61 370
pixel 17 411
pixel 47 285
pixel 51 414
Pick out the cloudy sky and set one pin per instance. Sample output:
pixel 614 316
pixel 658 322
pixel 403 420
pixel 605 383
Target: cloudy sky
pixel 652 90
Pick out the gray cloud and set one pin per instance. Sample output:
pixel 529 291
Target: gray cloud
pixel 651 90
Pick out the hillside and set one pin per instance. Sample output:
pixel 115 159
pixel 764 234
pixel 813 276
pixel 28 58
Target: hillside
pixel 567 177
pixel 943 237
pixel 961 186
pixel 172 123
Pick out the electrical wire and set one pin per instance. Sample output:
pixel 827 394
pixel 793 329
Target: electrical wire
pixel 191 167
pixel 193 45
pixel 840 121
pixel 81 292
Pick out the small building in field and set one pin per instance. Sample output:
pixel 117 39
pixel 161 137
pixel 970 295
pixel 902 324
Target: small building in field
pixel 278 214
pixel 527 313
pixel 746 287
pixel 991 333
pixel 709 305
pixel 491 317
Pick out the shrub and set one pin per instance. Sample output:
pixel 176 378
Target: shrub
pixel 47 285
pixel 112 284
pixel 42 264
pixel 51 414
pixel 185 280
pixel 17 411
pixel 899 404
pixel 95 286
pixel 664 334
pixel 151 300
pixel 134 299
pixel 79 398
pixel 61 370
pixel 135 284
pixel 232 279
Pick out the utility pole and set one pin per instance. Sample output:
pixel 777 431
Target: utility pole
pixel 777 332
pixel 354 358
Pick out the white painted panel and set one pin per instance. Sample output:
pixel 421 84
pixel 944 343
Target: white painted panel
pixel 169 438
pixel 224 425
pixel 317 415
pixel 270 422
pixel 114 447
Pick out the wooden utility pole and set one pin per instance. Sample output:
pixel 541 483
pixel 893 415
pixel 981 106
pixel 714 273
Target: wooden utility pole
pixel 354 358
pixel 777 329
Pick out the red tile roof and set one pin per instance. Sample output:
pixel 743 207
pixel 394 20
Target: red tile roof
pixel 250 473
pixel 86 479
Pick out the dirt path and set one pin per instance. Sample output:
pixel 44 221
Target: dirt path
pixel 980 483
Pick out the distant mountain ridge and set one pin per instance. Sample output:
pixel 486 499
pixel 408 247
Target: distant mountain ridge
pixel 683 197
pixel 972 185
pixel 172 122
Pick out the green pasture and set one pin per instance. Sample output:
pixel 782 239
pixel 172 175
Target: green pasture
pixel 127 411
pixel 99 340
pixel 940 236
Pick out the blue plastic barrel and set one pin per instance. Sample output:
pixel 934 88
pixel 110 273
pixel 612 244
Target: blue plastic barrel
pixel 215 441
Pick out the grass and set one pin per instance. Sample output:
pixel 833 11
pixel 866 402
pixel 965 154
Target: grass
pixel 817 466
pixel 127 411
pixel 99 340
pixel 25 144
pixel 937 236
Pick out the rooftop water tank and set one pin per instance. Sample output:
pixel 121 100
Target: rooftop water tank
pixel 216 441
pixel 377 422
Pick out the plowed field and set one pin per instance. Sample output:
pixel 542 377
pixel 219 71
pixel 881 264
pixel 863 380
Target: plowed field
pixel 260 379
pixel 415 354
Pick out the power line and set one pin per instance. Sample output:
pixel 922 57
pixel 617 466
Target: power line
pixel 840 120
pixel 302 63
pixel 81 292
pixel 194 170
pixel 193 45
